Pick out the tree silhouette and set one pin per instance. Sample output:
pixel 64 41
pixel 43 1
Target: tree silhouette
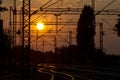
pixel 86 31
pixel 4 46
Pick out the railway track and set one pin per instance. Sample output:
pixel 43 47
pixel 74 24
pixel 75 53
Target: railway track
pixel 60 75
pixel 56 73
pixel 92 74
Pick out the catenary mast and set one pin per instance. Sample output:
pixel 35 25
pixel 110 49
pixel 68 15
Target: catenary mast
pixel 26 36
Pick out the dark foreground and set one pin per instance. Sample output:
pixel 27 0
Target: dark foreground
pixel 63 72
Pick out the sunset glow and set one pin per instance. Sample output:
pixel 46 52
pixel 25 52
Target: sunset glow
pixel 40 26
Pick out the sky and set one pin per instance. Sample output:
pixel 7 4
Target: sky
pixel 111 40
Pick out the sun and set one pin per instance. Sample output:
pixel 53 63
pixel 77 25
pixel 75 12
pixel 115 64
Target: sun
pixel 40 26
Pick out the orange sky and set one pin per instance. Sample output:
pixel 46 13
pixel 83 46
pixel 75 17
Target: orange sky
pixel 111 41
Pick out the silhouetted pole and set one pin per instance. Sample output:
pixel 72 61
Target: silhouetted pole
pixel 1 46
pixel 55 37
pixel 14 30
pixel 14 23
pixel 70 38
pixel 26 38
pixel 43 43
pixel 101 36
pixel 36 39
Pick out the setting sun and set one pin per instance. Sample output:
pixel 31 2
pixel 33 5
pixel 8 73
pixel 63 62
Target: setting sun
pixel 40 26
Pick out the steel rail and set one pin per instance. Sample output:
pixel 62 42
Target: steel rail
pixel 63 73
pixel 41 71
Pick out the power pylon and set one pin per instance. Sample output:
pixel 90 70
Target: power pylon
pixel 26 36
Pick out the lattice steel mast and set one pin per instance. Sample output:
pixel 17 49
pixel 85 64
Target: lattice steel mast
pixel 26 36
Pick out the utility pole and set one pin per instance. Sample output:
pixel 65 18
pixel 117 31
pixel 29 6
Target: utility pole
pixel 14 29
pixel 43 43
pixel 37 39
pixel 26 38
pixel 55 38
pixel 101 36
pixel 70 38
pixel 14 24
